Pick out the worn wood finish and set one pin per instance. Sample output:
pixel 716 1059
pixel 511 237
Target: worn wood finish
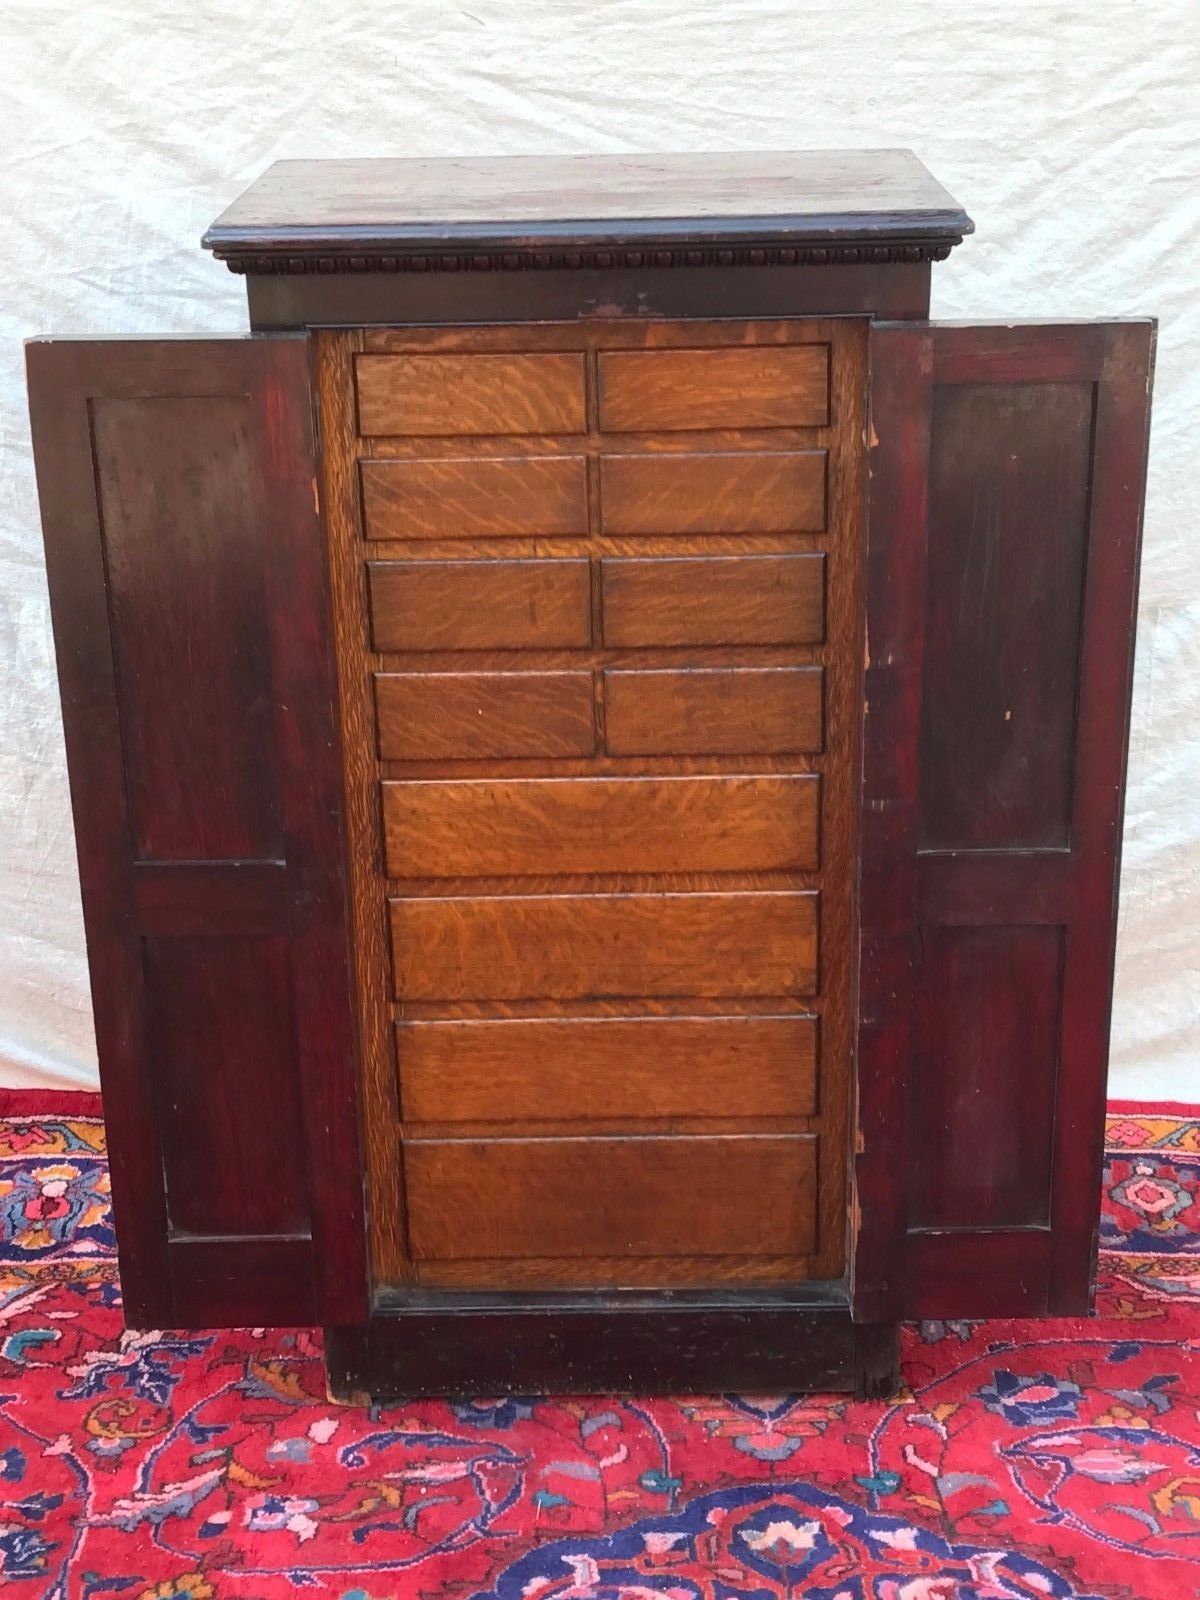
pixel 379 298
pixel 190 613
pixel 461 497
pixel 775 1341
pixel 701 600
pixel 572 1069
pixel 525 209
pixel 503 827
pixel 577 946
pixel 745 491
pixel 456 394
pixel 713 711
pixel 1004 549
pixel 643 391
pixel 540 881
pixel 480 605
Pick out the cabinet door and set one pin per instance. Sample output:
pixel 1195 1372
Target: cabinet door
pixel 1007 470
pixel 188 591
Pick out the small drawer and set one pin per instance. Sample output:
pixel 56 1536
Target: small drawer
pixel 713 600
pixel 469 716
pixel 446 395
pixel 735 491
pixel 576 1069
pixel 747 387
pixel 479 605
pixel 713 711
pixel 750 1195
pixel 466 497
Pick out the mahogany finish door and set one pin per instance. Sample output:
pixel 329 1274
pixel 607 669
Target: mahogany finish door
pixel 188 591
pixel 1007 470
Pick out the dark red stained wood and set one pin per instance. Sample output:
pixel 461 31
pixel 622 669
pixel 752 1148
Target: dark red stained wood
pixel 1002 576
pixel 200 764
pixel 1008 498
pixel 220 1027
pixel 187 587
pixel 983 1098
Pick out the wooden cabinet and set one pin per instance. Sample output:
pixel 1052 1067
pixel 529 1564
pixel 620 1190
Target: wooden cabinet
pixel 597 749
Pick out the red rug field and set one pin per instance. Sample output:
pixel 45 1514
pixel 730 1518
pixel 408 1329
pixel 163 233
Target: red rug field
pixel 1049 1461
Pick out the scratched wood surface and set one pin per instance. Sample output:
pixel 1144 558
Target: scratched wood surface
pixel 606 608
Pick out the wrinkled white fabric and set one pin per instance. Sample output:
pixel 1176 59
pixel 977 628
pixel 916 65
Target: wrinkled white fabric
pixel 1070 131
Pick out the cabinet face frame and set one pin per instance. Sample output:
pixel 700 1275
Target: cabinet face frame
pixel 840 442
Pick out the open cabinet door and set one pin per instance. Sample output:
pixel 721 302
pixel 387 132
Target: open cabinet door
pixel 188 591
pixel 1007 472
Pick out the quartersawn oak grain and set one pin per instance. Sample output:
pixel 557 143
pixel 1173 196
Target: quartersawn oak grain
pixel 713 710
pixel 642 391
pixel 579 947
pixel 426 716
pixel 459 497
pixel 569 1068
pixel 442 395
pixel 583 1197
pixel 480 605
pixel 750 599
pixel 742 491
pixel 499 827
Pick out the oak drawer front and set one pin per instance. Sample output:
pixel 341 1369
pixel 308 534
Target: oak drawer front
pixel 578 1197
pixel 669 600
pixel 741 491
pixel 444 395
pixel 501 827
pixel 460 497
pixel 751 387
pixel 429 716
pixel 579 1068
pixel 604 946
pixel 480 605
pixel 713 711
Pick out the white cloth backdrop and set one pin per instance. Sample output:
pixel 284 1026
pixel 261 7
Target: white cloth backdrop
pixel 1071 132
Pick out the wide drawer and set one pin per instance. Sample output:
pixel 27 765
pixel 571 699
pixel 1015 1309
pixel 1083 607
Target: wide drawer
pixel 578 1069
pixel 604 946
pixel 751 1195
pixel 501 827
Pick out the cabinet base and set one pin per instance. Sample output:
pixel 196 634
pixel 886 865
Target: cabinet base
pixel 671 1342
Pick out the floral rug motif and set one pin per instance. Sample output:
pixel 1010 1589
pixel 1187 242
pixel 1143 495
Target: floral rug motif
pixel 1054 1460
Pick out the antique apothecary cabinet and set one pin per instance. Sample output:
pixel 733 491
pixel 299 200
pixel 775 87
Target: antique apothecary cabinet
pixel 597 738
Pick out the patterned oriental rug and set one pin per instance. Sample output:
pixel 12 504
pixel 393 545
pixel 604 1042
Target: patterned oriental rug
pixel 1040 1460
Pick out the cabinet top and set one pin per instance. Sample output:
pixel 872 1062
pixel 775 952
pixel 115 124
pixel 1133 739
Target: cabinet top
pixel 743 208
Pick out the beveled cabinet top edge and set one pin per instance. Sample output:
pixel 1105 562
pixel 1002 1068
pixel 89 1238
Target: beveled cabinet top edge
pixel 774 208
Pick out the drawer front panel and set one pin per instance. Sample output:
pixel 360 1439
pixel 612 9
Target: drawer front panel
pixel 576 1198
pixel 500 827
pixel 477 496
pixel 745 491
pixel 673 600
pixel 573 1068
pixel 435 395
pixel 426 716
pixel 713 711
pixel 604 946
pixel 754 387
pixel 479 605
